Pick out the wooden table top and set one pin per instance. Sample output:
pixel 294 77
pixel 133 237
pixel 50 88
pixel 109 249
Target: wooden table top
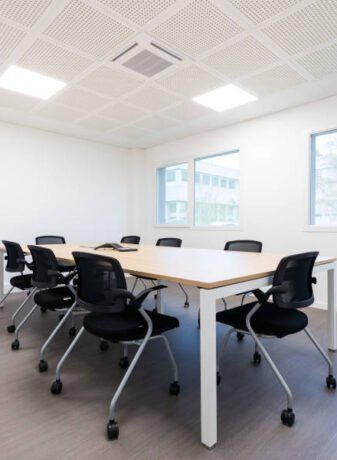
pixel 206 268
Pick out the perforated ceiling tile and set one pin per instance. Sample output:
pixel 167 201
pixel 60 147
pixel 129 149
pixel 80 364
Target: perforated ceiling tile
pixel 9 40
pixel 53 60
pixel 268 82
pixel 112 82
pixel 140 11
pixel 57 112
pixel 191 81
pixel 245 56
pixel 87 29
pixel 261 10
pixel 131 132
pixel 320 63
pixel 123 113
pixel 152 99
pixel 80 99
pixel 16 101
pixel 197 27
pixel 24 12
pixel 156 123
pixel 187 111
pixel 98 124
pixel 305 28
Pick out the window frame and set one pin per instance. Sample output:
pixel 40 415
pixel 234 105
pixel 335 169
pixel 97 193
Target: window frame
pixel 310 191
pixel 190 160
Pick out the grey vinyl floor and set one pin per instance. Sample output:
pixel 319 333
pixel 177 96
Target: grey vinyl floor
pixel 35 425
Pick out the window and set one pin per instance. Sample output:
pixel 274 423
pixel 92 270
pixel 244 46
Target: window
pixel 172 195
pixel 206 180
pixel 184 175
pixel 214 205
pixel 171 176
pixel 215 181
pixel 323 183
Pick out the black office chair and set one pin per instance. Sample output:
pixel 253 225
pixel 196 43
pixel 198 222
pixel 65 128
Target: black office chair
pixel 51 239
pixel 171 242
pixel 291 290
pixel 47 279
pixel 130 239
pixel 117 316
pixel 16 263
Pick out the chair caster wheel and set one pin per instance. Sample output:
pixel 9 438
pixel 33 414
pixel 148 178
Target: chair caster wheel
pixel 218 378
pixel 174 388
pixel 288 417
pixel 124 362
pixel 15 344
pixel 61 316
pixel 56 387
pixel 43 366
pixel 11 328
pixel 331 382
pixel 112 430
pixel 257 358
pixel 186 304
pixel 43 310
pixel 72 331
pixel 104 346
pixel 240 336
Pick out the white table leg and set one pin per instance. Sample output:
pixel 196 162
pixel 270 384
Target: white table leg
pixel 160 299
pixel 208 368
pixel 1 273
pixel 332 300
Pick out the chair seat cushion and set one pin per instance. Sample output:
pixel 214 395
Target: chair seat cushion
pixel 128 325
pixel 65 266
pixel 55 298
pixel 21 281
pixel 268 320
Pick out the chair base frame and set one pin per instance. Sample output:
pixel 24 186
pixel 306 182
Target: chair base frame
pixel 260 347
pixel 140 343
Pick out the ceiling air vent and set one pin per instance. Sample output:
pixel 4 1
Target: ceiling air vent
pixel 147 63
pixel 146 58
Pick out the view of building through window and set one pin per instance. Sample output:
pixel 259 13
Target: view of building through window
pixel 323 209
pixel 216 190
pixel 172 194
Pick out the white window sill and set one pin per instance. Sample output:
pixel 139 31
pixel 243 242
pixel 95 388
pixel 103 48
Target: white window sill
pixel 320 228
pixel 171 226
pixel 228 228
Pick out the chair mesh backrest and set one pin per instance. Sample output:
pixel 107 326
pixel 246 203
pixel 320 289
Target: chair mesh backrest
pixel 173 242
pixel 97 276
pixel 131 239
pixel 295 274
pixel 243 245
pixel 50 239
pixel 15 257
pixel 44 261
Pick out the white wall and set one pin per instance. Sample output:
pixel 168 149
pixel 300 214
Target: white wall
pixel 55 184
pixel 274 182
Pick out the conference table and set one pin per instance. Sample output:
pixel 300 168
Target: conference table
pixel 217 274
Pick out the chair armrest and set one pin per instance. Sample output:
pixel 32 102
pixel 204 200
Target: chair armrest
pixel 263 297
pixel 61 278
pixel 123 293
pixel 139 299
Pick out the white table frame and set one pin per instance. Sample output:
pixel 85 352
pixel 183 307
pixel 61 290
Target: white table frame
pixel 208 298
